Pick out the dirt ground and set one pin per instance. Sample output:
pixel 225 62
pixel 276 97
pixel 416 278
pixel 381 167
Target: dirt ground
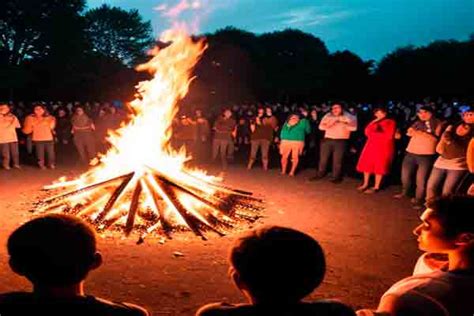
pixel 367 240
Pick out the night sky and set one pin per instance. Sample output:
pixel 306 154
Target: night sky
pixel 370 28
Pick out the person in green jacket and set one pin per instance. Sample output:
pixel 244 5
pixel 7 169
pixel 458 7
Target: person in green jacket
pixel 292 137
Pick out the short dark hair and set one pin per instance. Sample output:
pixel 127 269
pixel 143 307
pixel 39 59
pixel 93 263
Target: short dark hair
pixel 427 108
pixel 455 213
pixel 54 249
pixel 380 108
pixel 278 263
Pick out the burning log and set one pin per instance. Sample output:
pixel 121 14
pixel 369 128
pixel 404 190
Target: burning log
pixel 225 207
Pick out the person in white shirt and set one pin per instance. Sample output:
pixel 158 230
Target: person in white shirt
pixel 337 126
pixel 8 138
pixel 447 228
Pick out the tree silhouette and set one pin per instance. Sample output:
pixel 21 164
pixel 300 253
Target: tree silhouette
pixel 32 29
pixel 349 76
pixel 117 33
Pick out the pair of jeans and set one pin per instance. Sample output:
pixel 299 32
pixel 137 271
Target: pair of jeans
pixel 42 148
pixel 9 152
pixel 263 144
pixel 222 147
pixel 421 166
pixel 444 179
pixel 335 148
pixel 85 145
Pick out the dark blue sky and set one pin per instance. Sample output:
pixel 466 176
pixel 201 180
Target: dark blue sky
pixel 370 28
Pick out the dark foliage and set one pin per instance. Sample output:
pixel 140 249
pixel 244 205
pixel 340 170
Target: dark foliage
pixel 51 49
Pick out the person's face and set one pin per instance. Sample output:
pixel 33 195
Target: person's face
pixel 198 113
pixel 336 110
pixel 463 129
pixel 260 112
pixel 79 111
pixel 4 109
pixel 227 114
pixel 268 111
pixel 379 114
pixel 62 113
pixel 38 110
pixel 424 115
pixel 468 117
pixel 294 119
pixel 314 114
pixel 431 235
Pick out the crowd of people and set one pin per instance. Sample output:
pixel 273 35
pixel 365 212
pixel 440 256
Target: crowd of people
pixel 429 143
pixel 274 268
pixel 432 143
pixel 51 128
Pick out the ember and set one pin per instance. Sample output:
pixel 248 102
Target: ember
pixel 141 183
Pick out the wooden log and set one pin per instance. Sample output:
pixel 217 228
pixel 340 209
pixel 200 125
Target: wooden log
pixel 84 189
pixel 165 224
pixel 133 208
pixel 115 195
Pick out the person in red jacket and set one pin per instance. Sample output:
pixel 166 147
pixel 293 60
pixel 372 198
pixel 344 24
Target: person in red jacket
pixel 378 152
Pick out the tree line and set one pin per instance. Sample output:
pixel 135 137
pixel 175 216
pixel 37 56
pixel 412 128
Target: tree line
pixel 52 49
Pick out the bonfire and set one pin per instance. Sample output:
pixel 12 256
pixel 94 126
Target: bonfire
pixel 141 184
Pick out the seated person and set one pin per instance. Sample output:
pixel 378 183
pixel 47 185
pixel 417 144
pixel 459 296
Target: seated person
pixel 275 268
pixel 447 228
pixel 55 253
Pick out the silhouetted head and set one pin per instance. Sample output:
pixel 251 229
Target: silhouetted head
pixel 54 250
pixel 277 264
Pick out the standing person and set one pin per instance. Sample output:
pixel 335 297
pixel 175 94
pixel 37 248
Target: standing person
pixel 184 133
pixel 450 167
pixel 83 133
pixel 8 137
pixel 63 129
pixel 377 155
pixel 202 135
pixel 292 137
pixel 224 131
pixel 102 125
pixel 312 141
pixel 420 154
pixel 262 129
pixel 41 126
pixel 114 117
pixel 337 126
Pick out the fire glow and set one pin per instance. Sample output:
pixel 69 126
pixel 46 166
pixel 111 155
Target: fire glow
pixel 141 183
